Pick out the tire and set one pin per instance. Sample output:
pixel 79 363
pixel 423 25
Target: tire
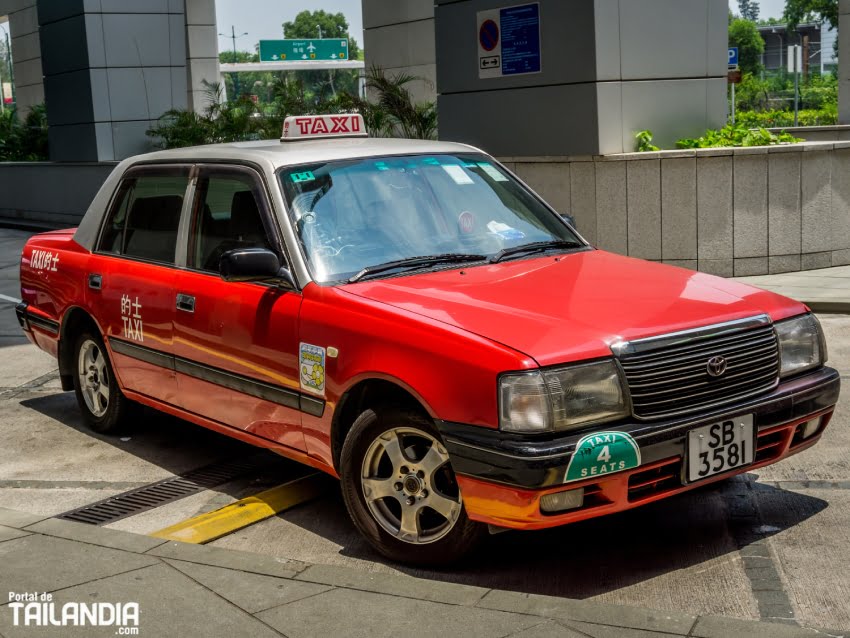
pixel 103 405
pixel 398 517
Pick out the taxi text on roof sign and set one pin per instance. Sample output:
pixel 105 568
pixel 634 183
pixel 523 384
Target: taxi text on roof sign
pixel 304 127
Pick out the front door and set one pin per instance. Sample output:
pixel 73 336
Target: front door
pixel 236 343
pixel 131 278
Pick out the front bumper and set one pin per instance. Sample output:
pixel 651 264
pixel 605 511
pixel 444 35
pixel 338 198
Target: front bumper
pixel 502 476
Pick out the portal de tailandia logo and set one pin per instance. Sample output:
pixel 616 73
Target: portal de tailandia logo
pixel 38 609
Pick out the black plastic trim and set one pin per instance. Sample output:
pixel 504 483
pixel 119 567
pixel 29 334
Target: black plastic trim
pixel 239 383
pixel 27 319
pixel 535 461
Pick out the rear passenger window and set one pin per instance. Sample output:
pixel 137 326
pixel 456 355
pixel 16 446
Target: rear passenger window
pixel 227 216
pixel 145 216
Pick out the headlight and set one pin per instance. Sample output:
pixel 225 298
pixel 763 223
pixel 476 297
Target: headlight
pixel 562 398
pixel 801 345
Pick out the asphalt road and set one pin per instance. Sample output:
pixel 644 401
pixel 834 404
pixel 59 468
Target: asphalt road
pixel 771 544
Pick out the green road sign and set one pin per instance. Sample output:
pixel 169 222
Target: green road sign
pixel 602 453
pixel 333 49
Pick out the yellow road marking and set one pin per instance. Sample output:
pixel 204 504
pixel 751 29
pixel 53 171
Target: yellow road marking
pixel 230 518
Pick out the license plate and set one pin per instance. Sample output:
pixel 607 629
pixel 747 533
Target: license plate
pixel 720 447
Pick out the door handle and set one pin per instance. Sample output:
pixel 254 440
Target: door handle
pixel 95 281
pixel 186 303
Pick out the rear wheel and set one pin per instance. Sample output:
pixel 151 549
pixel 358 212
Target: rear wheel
pixel 400 489
pixel 103 405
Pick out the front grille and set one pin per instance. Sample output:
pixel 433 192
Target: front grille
pixel 673 379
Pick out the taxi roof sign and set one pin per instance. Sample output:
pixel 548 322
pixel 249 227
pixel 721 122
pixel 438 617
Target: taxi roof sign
pixel 306 127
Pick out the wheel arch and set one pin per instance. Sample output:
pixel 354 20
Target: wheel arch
pixel 367 393
pixel 74 322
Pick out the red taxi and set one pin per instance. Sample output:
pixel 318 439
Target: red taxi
pixel 410 317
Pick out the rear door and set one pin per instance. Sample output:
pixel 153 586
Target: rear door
pixel 236 343
pixel 131 277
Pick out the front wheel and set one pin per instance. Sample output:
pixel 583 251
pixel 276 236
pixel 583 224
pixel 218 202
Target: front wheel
pixel 400 489
pixel 98 395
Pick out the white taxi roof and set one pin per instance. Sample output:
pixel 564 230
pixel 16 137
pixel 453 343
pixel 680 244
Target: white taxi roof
pixel 280 154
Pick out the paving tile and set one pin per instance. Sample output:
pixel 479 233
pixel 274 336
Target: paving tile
pixel 608 631
pixel 170 604
pixel 44 563
pixel 10 533
pixel 588 611
pixel 410 587
pixel 370 615
pixel 720 627
pixel 14 518
pixel 96 535
pixel 229 558
pixel 251 592
pixel 550 629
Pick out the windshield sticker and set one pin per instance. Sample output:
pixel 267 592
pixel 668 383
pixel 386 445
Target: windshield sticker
pixel 492 171
pixel 602 453
pixel 458 174
pixel 306 176
pixel 504 231
pixel 311 362
pixel 466 223
pixel 382 166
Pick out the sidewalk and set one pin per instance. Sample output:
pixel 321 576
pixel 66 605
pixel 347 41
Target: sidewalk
pixel 824 290
pixel 193 590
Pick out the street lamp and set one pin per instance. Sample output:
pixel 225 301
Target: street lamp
pixel 234 37
pixel 319 27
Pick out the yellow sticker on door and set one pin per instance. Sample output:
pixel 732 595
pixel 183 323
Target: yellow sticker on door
pixel 311 362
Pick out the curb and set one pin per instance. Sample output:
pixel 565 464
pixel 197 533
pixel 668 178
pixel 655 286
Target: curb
pixel 828 307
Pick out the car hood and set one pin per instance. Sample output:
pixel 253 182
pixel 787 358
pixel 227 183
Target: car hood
pixel 564 308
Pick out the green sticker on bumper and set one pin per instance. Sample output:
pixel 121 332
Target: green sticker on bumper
pixel 602 453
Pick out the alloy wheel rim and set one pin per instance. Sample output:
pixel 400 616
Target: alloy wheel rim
pixel 94 378
pixel 409 486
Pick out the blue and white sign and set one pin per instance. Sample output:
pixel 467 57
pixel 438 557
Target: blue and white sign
pixel 733 58
pixel 509 41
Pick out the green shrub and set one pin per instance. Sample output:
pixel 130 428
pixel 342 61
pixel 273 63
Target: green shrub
pixel 23 141
pixel 644 142
pixel 392 113
pixel 827 116
pixel 737 135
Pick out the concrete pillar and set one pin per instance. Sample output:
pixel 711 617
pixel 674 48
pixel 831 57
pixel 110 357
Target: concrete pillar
pixel 602 78
pixel 111 68
pixel 399 38
pixel 202 62
pixel 26 52
pixel 844 61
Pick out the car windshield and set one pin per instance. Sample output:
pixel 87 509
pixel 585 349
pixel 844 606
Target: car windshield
pixel 360 214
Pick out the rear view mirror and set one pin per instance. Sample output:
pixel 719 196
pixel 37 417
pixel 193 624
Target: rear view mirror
pixel 253 264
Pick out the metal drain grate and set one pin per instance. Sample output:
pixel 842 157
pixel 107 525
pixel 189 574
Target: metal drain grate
pixel 145 498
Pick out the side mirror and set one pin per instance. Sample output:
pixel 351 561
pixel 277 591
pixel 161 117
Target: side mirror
pixel 253 264
pixel 569 219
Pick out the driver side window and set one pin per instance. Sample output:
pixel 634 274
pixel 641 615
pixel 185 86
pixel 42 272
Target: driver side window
pixel 227 215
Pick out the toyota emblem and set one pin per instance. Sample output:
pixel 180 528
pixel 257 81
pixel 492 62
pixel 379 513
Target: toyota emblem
pixel 716 366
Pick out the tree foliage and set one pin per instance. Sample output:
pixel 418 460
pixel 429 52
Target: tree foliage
pixel 749 10
pixel 799 11
pixel 333 25
pixel 745 35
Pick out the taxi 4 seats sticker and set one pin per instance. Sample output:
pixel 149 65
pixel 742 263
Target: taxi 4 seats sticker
pixel 602 453
pixel 311 362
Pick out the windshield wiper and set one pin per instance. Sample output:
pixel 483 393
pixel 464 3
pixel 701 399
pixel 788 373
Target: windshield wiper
pixel 535 247
pixel 417 262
